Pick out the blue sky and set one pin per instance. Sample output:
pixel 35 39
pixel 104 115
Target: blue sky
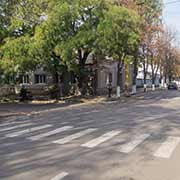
pixel 171 15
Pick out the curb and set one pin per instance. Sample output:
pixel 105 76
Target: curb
pixel 12 114
pixel 102 100
pixel 50 110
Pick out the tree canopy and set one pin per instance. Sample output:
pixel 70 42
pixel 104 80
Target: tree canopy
pixel 61 34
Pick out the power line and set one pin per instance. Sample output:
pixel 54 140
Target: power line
pixel 171 2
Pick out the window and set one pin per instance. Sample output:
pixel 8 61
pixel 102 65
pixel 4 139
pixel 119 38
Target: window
pixel 40 79
pixel 24 79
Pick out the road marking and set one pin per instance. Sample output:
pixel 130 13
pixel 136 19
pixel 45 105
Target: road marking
pixel 94 142
pixel 95 111
pixel 130 146
pixel 65 123
pixel 74 136
pixel 60 176
pixel 167 147
pixel 11 123
pixel 56 131
pixel 15 127
pixel 15 134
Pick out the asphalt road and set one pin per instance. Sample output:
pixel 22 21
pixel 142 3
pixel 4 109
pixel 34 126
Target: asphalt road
pixel 135 140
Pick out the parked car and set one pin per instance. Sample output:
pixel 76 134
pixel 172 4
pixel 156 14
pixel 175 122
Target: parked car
pixel 172 86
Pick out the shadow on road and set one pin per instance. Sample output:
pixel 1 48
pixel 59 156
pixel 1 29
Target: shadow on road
pixel 152 113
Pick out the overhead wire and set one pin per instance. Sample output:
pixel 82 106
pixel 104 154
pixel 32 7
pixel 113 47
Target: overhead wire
pixel 171 2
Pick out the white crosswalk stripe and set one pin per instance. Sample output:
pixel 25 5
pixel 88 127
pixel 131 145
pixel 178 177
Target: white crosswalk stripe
pixel 166 149
pixel 101 139
pixel 130 146
pixel 11 123
pixel 56 131
pixel 60 176
pixel 15 127
pixel 75 136
pixel 18 133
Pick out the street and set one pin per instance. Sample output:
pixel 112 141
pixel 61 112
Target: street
pixel 134 140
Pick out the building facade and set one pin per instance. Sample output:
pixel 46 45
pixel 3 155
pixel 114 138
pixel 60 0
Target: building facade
pixel 103 71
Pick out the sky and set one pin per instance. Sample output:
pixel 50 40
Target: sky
pixel 171 15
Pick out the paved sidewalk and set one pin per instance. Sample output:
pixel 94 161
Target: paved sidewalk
pixel 36 107
pixel 18 109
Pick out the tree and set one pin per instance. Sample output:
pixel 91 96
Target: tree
pixel 119 37
pixel 173 68
pixel 70 33
pixel 132 6
pixel 168 55
pixel 6 13
pixel 17 56
pixel 151 12
pixel 155 61
pixel 18 19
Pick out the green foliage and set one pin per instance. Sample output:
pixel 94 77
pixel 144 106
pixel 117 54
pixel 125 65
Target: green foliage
pixel 17 55
pixel 18 19
pixel 70 31
pixel 27 15
pixel 60 34
pixel 118 33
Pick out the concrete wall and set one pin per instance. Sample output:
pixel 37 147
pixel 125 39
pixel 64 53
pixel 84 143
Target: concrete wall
pixel 7 90
pixel 104 70
pixel 103 74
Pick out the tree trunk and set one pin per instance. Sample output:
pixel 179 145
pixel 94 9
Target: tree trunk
pixel 153 83
pixel 135 72
pixel 55 78
pixel 82 55
pixel 95 85
pixel 153 78
pixel 80 84
pixel 145 75
pixel 170 78
pixel 118 91
pixel 55 92
pixel 119 77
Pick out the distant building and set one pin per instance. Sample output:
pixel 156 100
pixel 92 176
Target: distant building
pixel 102 70
pixel 140 77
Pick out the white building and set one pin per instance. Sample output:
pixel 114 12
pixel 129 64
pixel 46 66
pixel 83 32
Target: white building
pixel 140 77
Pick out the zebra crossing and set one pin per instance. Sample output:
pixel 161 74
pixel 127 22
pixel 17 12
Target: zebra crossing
pixel 130 146
pixel 29 130
pixel 14 127
pixel 34 132
pixel 166 149
pixel 74 136
pixel 60 176
pixel 101 139
pixel 89 138
pixel 53 132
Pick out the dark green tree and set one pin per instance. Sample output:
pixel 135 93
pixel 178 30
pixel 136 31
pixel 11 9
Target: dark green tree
pixel 70 32
pixel 119 37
